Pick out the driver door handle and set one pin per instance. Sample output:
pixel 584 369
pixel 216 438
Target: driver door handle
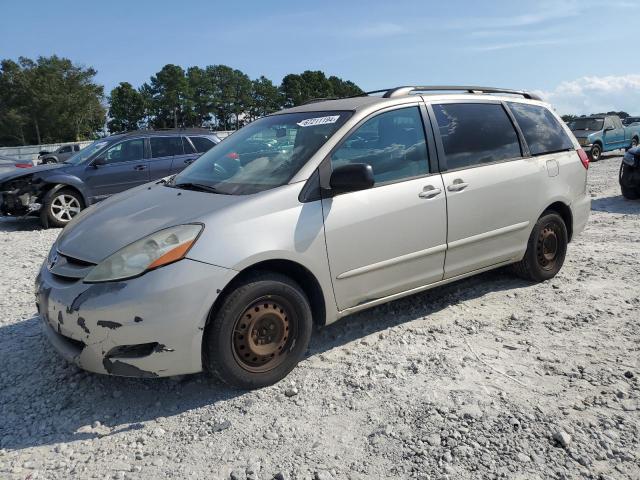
pixel 189 161
pixel 429 192
pixel 457 185
pixel 140 167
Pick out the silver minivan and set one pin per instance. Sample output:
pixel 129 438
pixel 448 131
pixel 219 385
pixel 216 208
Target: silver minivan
pixel 305 216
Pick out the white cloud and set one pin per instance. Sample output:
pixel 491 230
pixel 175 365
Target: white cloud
pixel 523 44
pixel 385 29
pixel 596 94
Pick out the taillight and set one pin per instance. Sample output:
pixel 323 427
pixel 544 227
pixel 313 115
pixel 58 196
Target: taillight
pixel 23 165
pixel 584 158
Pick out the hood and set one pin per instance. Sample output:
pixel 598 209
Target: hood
pixel 583 133
pixel 108 226
pixel 21 172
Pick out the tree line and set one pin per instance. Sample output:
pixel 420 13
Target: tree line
pixel 51 99
pixel 571 118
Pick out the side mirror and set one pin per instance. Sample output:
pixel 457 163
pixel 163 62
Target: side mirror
pixel 98 162
pixel 351 177
pixel 608 129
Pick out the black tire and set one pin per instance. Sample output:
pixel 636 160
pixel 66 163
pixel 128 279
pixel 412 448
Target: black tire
pixel 634 142
pixel 546 249
pixel 595 153
pixel 50 212
pixel 251 352
pixel 630 191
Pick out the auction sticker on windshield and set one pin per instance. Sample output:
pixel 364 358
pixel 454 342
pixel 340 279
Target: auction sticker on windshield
pixel 309 122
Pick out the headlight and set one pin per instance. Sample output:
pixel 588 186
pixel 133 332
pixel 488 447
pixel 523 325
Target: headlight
pixel 584 141
pixel 158 249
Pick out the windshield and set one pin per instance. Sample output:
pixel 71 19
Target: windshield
pixel 86 152
pixel 594 124
pixel 265 154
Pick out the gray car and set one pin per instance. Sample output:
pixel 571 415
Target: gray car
pixel 308 215
pixel 60 154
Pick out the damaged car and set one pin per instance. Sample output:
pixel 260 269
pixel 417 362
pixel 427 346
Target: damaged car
pixel 308 215
pixel 629 175
pixel 60 191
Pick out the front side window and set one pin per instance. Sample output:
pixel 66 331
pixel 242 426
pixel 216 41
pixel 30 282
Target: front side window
pixel 64 150
pixel 476 133
pixel 127 151
pixel 165 146
pixel 541 130
pixel 265 154
pixel 393 143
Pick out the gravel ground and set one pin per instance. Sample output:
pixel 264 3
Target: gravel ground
pixel 490 377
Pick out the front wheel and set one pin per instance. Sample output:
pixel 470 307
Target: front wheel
pixel 60 207
pixel 595 153
pixel 260 332
pixel 546 249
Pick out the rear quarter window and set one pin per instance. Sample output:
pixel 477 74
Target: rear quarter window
pixel 202 144
pixel 542 132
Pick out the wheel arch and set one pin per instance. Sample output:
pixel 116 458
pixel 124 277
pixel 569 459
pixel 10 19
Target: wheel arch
pixel 565 213
pixel 294 270
pixel 55 185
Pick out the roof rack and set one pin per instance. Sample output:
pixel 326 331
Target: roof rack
pixel 151 131
pixel 401 91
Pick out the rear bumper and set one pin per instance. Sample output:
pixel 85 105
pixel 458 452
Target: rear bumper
pixel 150 326
pixel 580 210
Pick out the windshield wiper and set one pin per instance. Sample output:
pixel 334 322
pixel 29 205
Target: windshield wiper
pixel 198 187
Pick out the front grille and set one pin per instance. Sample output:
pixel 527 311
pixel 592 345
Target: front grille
pixel 70 268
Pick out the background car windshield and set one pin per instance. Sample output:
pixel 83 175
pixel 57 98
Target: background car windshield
pixel 587 124
pixel 265 154
pixel 86 152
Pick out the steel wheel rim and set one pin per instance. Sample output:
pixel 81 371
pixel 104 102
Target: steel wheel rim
pixel 263 334
pixel 634 143
pixel 65 207
pixel 595 153
pixel 548 247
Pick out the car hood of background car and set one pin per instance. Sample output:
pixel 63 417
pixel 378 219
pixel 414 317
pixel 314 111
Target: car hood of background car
pixel 21 172
pixel 108 226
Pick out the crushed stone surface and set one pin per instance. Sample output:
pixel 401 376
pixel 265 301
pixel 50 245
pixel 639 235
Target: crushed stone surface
pixel 487 378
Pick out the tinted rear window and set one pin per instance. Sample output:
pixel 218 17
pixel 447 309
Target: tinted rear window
pixel 165 146
pixel 476 133
pixel 541 130
pixel 202 144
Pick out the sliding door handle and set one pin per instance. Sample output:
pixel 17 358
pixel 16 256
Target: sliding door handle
pixel 457 185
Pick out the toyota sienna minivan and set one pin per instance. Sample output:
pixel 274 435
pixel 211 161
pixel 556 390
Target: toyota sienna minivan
pixel 305 216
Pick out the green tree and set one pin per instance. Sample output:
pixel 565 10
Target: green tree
pixel 265 98
pixel 297 89
pixel 48 100
pixel 230 95
pixel 127 108
pixel 167 95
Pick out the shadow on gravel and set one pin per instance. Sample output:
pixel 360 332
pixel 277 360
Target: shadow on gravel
pixel 410 308
pixel 19 224
pixel 44 400
pixel 617 204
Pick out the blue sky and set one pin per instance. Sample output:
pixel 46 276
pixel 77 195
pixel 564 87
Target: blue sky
pixel 574 52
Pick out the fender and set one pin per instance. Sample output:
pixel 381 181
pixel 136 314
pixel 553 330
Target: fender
pixel 61 180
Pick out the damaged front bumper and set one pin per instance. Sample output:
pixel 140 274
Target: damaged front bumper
pixel 19 197
pixel 150 326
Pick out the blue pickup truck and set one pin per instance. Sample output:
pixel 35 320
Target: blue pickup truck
pixel 598 134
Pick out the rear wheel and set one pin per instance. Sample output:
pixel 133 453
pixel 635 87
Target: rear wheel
pixel 595 153
pixel 546 249
pixel 60 207
pixel 260 332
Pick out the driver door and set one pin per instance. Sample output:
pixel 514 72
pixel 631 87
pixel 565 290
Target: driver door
pixel 390 238
pixel 125 168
